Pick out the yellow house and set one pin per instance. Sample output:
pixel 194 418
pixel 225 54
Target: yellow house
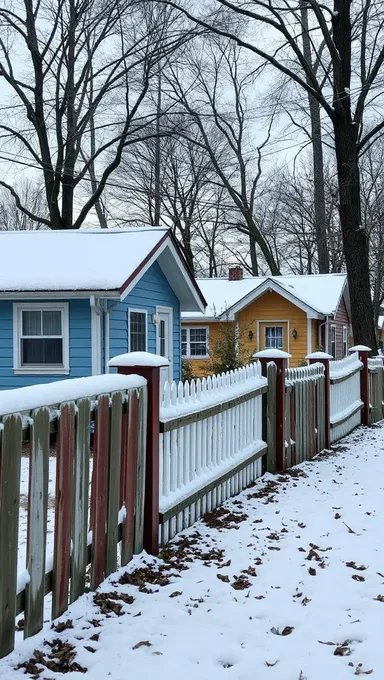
pixel 299 314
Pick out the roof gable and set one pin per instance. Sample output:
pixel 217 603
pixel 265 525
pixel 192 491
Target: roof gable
pixel 318 295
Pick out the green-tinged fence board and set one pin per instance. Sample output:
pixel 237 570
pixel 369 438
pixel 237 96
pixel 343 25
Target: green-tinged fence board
pixel 9 527
pixel 37 522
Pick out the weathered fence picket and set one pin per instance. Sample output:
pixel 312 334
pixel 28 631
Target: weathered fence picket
pixel 37 520
pixel 73 546
pixel 9 525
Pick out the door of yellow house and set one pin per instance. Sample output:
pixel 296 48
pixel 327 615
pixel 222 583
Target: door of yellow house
pixel 273 334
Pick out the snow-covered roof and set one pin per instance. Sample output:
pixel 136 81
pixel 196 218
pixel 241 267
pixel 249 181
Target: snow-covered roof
pixel 316 293
pixel 92 260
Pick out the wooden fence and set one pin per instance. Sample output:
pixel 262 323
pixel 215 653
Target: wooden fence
pixel 211 444
pixel 305 415
pixel 92 532
pixel 158 464
pixel 346 403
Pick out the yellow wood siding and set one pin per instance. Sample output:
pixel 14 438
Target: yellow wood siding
pixel 200 367
pixel 273 307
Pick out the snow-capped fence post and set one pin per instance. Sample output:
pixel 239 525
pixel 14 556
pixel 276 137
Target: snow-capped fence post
pixel 363 351
pixel 148 366
pixel 325 418
pixel 279 358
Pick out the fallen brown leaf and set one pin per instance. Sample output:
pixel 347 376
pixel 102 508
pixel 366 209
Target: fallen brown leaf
pixel 353 565
pixel 223 577
pixel 312 571
pixel 337 515
pixel 342 650
pixel 357 577
pixel 379 598
pixel 176 593
pixel 142 643
pixel 270 665
pixel 331 644
pixel 359 670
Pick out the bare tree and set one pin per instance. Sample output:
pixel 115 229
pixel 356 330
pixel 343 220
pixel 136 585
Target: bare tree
pixel 224 123
pixel 352 35
pixel 78 74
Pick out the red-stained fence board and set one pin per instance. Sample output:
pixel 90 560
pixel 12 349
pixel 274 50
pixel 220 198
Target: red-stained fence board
pixel 99 491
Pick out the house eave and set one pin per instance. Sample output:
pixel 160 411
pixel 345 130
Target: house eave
pixel 58 294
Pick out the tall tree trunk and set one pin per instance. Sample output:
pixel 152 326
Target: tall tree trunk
pixel 70 150
pixel 157 201
pixel 317 157
pixel 355 242
pixel 253 253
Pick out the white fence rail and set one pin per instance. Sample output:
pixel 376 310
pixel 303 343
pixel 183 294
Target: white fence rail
pixel 345 402
pixel 211 444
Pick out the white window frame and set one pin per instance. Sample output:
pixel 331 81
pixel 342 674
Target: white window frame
pixel 333 330
pixel 18 309
pixel 345 340
pixel 188 355
pixel 272 322
pixel 136 310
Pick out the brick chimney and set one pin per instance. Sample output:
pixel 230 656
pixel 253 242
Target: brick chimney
pixel 235 274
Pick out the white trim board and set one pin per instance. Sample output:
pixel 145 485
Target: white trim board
pixel 18 308
pixel 96 340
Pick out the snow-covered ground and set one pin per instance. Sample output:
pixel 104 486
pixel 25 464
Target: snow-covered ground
pixel 287 583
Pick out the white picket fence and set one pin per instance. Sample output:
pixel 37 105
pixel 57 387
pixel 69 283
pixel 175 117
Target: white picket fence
pixel 345 407
pixel 211 444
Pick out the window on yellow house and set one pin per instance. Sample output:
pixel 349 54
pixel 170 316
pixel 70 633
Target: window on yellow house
pixel 194 342
pixel 274 337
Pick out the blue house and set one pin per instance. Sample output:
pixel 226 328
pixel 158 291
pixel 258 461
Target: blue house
pixel 71 300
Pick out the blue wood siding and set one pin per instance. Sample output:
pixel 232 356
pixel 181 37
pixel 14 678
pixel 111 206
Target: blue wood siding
pixel 152 290
pixel 80 355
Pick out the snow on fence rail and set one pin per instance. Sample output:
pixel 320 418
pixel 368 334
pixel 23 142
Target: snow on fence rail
pixel 84 532
pixel 210 444
pixel 375 381
pixel 305 417
pixel 345 401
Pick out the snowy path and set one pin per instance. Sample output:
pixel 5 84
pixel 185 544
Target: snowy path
pixel 304 557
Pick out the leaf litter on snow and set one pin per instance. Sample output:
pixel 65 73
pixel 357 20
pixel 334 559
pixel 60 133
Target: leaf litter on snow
pixel 235 620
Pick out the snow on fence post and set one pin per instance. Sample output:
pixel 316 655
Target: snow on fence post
pixel 324 358
pixel 278 357
pixel 363 351
pixel 148 366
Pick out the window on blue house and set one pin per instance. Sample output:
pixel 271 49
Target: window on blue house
pixel 137 325
pixel 41 338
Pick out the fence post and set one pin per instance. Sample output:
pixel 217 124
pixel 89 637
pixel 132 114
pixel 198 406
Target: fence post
pixel 148 366
pixel 363 352
pixel 324 358
pixel 280 359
